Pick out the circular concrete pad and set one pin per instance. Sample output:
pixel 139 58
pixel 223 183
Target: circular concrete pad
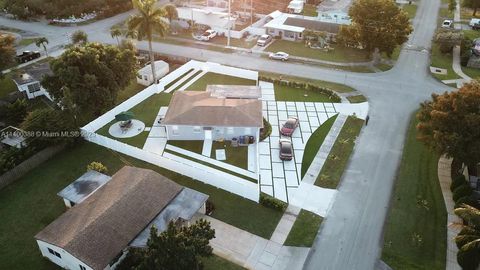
pixel 136 128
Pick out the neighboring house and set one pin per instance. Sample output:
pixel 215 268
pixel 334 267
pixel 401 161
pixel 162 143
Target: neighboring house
pixel 295 6
pixel 95 233
pixel 291 27
pixel 223 113
pixel 335 16
pixel 28 81
pixel 216 20
pixel 145 76
pixel 13 137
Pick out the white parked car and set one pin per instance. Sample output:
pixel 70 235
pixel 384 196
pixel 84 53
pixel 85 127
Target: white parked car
pixel 279 56
pixel 447 24
pixel 474 22
pixel 264 40
pixel 209 34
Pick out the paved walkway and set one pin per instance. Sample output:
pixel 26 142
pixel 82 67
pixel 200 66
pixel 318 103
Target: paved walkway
pixel 252 251
pixel 285 224
pixel 444 176
pixel 322 154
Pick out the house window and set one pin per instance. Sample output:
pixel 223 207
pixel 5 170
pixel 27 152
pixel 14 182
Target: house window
pixel 175 130
pixel 197 129
pixel 53 252
pixel 82 267
pixel 34 87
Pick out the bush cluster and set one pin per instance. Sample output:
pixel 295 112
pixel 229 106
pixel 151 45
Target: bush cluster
pixel 266 130
pixel 97 166
pixel 271 202
pixel 462 191
pixel 330 93
pixel 13 156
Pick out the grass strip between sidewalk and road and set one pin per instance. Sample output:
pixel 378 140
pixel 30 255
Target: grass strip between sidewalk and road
pixel 415 230
pixel 304 229
pixel 334 166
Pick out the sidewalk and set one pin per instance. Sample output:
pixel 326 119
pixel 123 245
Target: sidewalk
pixel 444 176
pixel 252 251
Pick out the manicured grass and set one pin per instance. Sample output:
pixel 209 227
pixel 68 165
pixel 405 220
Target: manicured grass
pixel 26 41
pixel 288 93
pixel 234 42
pixel 415 229
pixel 304 229
pixel 177 79
pixel 471 34
pixel 441 60
pixel 129 91
pixel 340 88
pixel 444 13
pixel 337 160
pixel 410 9
pixel 357 99
pixel 310 10
pixel 31 203
pixel 216 78
pixel 7 86
pixel 314 143
pixel 193 146
pixel 236 156
pixel 383 67
pixel 215 263
pixel 339 54
pixel 474 73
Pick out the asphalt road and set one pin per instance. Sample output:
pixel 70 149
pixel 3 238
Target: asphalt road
pixel 351 235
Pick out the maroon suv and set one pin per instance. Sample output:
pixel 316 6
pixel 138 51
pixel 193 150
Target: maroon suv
pixel 289 127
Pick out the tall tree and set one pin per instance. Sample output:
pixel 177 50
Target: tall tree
pixel 468 239
pixel 150 20
pixel 172 13
pixel 473 4
pixel 384 29
pixel 79 37
pixel 179 248
pixel 450 122
pixel 42 42
pixel 115 33
pixel 86 79
pixel 7 51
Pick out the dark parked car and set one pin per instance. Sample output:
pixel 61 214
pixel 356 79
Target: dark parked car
pixel 27 56
pixel 286 149
pixel 289 127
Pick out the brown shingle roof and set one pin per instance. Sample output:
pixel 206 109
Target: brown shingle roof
pixel 99 228
pixel 198 108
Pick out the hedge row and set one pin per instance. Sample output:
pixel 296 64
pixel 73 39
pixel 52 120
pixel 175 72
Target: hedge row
pixel 462 192
pixel 328 92
pixel 271 202
pixel 266 130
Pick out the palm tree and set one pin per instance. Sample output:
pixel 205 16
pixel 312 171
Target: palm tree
pixel 149 21
pixel 468 240
pixel 115 33
pixel 79 37
pixel 42 42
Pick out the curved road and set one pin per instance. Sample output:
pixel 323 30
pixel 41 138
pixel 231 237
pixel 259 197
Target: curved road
pixel 351 234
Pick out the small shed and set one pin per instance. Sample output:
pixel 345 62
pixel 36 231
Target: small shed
pixel 145 76
pixel 81 188
pixel 28 80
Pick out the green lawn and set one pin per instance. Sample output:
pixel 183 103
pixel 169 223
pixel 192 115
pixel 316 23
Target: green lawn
pixel 310 10
pixel 332 171
pixel 193 146
pixel 31 203
pixel 339 54
pixel 474 73
pixel 7 85
pixel 218 263
pixel 26 41
pixel 236 156
pixel 415 229
pixel 410 9
pixel 216 78
pixel 444 13
pixel 471 34
pixel 129 91
pixel 340 88
pixel 357 99
pixel 288 93
pixel 314 143
pixel 304 229
pixel 441 60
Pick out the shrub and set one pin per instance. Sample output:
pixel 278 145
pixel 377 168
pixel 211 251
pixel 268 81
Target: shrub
pixel 97 166
pixel 271 202
pixel 457 181
pixel 266 130
pixel 469 200
pixel 447 39
pixel 456 167
pixel 462 191
pixel 13 156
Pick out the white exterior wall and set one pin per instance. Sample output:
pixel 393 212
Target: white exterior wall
pixel 68 204
pixel 227 133
pixel 67 261
pixel 281 33
pixel 42 92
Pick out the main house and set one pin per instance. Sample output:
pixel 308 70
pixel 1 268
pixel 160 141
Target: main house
pixel 113 214
pixel 222 112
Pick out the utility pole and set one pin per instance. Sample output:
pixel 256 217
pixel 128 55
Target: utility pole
pixel 229 21
pixel 251 12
